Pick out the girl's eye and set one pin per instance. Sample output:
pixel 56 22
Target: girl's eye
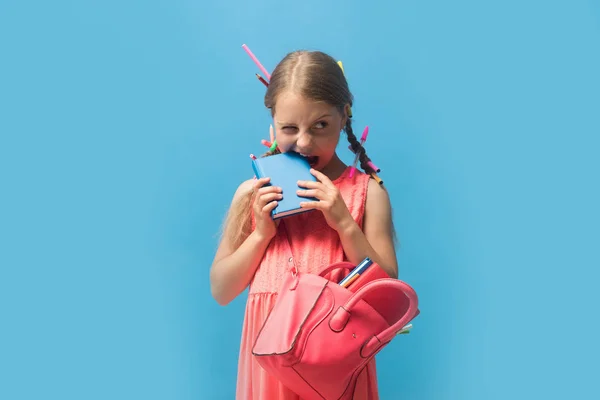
pixel 321 125
pixel 288 129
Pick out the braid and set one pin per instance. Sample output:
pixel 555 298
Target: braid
pixel 358 148
pixel 271 153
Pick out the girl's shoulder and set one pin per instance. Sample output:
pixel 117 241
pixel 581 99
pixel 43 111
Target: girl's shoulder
pixel 244 189
pixel 377 195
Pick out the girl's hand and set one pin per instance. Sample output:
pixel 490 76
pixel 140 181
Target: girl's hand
pixel 265 200
pixel 330 202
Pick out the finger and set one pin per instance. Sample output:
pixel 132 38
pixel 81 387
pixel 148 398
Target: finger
pixel 314 205
pixel 268 189
pixel 322 177
pixel 269 207
pixel 258 193
pixel 262 199
pixel 316 193
pixel 266 198
pixel 311 185
pixel 260 182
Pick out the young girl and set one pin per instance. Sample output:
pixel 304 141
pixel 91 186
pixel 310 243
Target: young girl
pixel 310 103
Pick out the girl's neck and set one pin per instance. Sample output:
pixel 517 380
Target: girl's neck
pixel 335 168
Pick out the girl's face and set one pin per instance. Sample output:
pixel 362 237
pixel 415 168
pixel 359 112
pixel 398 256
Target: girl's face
pixel 307 127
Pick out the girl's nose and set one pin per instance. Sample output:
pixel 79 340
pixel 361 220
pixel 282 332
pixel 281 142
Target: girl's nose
pixel 304 140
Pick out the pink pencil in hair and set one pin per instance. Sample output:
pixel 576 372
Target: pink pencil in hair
pixel 370 164
pixel 365 133
pixel 363 139
pixel 253 57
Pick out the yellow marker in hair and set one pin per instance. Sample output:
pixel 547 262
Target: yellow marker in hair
pixel 377 178
pixel 342 68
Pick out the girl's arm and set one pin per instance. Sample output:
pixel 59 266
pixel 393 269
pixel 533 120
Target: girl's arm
pixel 233 268
pixel 376 240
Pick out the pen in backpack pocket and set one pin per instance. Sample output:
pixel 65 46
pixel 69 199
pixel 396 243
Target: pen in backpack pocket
pixel 356 272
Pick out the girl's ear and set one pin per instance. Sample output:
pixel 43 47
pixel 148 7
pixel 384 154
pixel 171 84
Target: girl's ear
pixel 346 115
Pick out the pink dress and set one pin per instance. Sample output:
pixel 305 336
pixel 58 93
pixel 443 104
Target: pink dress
pixel 314 245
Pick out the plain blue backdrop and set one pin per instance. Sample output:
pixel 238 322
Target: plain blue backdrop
pixel 125 127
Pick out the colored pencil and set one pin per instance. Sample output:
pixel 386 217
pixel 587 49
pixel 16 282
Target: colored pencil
pixel 363 139
pixel 357 271
pixel 375 167
pixel 260 78
pixel 377 178
pixel 260 66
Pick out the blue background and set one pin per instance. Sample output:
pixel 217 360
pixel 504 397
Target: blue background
pixel 125 127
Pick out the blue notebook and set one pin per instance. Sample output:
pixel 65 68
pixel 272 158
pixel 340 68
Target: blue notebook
pixel 285 170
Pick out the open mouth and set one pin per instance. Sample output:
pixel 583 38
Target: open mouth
pixel 312 160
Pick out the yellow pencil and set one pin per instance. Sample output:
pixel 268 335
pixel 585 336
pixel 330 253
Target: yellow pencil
pixel 377 178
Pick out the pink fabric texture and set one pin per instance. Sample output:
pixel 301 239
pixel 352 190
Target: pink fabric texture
pixel 314 246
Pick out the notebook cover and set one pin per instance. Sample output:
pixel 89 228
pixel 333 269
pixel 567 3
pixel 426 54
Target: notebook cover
pixel 285 170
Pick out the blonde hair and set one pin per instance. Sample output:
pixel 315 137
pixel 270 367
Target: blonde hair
pixel 318 77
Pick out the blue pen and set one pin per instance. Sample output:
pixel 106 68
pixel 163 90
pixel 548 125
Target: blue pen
pixel 359 269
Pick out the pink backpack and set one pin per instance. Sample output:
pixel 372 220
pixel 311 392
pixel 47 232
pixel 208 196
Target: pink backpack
pixel 319 335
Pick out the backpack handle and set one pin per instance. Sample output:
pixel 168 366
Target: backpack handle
pixel 341 264
pixel 343 313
